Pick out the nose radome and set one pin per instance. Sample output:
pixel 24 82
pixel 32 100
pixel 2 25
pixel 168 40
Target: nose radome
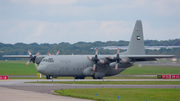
pixel 40 69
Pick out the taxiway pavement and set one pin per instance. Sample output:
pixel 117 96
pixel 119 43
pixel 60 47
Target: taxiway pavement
pixel 20 87
pixel 47 88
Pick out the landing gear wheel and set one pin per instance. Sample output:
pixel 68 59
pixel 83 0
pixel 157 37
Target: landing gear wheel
pixel 79 77
pixel 76 77
pixel 100 77
pixel 94 77
pixel 48 77
pixel 97 77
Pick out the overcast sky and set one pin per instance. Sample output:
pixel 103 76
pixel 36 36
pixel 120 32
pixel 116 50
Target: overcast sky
pixel 56 21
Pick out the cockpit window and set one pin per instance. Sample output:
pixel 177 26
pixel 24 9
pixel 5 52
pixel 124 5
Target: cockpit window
pixel 48 60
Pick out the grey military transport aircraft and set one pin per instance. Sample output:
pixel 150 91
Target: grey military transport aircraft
pixel 98 66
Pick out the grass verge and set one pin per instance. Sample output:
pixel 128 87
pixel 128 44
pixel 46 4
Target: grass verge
pixel 113 82
pixel 125 94
pixel 17 68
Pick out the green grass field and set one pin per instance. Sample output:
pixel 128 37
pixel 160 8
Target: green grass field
pixel 125 94
pixel 19 68
pixel 148 70
pixel 113 82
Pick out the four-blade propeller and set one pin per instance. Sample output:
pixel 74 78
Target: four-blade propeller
pixel 95 59
pixel 56 53
pixel 32 59
pixel 117 59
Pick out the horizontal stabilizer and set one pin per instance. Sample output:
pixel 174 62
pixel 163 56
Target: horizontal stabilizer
pixel 147 57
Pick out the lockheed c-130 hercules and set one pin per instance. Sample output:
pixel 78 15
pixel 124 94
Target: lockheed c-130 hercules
pixel 98 66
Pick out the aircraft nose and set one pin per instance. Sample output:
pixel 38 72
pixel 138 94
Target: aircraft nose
pixel 40 69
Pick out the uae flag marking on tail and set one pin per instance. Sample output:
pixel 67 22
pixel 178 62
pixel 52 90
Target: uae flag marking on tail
pixel 138 37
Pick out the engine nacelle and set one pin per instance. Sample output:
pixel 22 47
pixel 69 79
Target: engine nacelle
pixel 88 71
pixel 121 65
pixel 125 60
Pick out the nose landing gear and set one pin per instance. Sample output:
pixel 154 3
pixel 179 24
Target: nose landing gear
pixel 48 77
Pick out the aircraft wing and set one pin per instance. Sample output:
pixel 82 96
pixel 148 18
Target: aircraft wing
pixel 148 57
pixel 20 56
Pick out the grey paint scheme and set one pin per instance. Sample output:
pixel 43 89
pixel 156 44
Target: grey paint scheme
pixel 80 66
pixel 136 47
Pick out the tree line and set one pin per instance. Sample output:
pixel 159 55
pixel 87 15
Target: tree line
pixel 84 47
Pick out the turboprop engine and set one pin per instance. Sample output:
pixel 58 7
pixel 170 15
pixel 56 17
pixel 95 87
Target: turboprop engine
pixel 124 62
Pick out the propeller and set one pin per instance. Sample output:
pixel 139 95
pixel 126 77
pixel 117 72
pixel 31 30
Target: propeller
pixel 95 59
pixel 117 59
pixel 48 54
pixel 56 53
pixel 32 59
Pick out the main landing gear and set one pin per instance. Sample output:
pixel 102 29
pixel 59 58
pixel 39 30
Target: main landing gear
pixel 81 77
pixel 97 77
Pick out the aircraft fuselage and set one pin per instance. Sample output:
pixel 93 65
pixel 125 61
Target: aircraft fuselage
pixel 77 66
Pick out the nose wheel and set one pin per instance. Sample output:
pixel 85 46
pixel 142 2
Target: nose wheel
pixel 48 77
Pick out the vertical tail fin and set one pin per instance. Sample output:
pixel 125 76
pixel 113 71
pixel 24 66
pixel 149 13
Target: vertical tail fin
pixel 136 45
